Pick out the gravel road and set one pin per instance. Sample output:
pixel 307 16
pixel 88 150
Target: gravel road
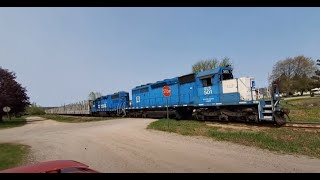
pixel 125 145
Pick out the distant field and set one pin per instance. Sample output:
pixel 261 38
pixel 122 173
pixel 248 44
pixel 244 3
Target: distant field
pixel 12 155
pixel 303 109
pixel 283 140
pixel 14 122
pixel 74 119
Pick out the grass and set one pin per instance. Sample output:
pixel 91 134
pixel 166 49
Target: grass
pixel 74 119
pixel 12 155
pixel 304 109
pixel 14 122
pixel 283 140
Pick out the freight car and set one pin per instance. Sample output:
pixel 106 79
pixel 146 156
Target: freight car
pixel 79 108
pixel 210 95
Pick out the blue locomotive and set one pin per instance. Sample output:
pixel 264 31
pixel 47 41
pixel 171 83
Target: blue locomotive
pixel 110 105
pixel 212 94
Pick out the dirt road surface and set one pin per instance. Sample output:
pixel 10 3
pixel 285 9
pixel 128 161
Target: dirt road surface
pixel 125 145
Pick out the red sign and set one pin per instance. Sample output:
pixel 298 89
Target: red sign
pixel 166 91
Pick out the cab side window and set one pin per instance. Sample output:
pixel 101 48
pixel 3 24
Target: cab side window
pixel 207 82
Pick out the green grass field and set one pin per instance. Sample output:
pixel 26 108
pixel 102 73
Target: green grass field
pixel 283 140
pixel 12 155
pixel 74 119
pixel 304 109
pixel 14 122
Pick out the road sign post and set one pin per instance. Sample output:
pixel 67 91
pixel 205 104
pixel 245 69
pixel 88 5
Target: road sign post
pixel 166 91
pixel 7 110
pixel 167 112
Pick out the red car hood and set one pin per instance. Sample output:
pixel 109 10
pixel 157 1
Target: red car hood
pixel 52 167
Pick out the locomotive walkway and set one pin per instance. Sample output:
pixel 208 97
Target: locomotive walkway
pixel 124 145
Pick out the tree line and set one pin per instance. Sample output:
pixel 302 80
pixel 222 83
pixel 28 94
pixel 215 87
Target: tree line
pixel 204 65
pixel 295 74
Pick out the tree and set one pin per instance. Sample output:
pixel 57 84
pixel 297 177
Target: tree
pixel 94 95
pixel 284 84
pixel 301 83
pixel 293 74
pixel 12 94
pixel 225 62
pixel 98 94
pixel 34 109
pixel 204 65
pixel 316 77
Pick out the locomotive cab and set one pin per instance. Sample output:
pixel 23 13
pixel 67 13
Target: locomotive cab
pixel 210 87
pixel 223 97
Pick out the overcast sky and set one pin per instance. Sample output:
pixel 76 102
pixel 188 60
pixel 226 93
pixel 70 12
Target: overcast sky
pixel 61 54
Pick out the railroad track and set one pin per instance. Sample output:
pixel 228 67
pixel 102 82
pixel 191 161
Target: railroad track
pixel 313 125
pixel 310 125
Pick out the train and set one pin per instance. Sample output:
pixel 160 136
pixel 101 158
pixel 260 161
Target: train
pixel 208 95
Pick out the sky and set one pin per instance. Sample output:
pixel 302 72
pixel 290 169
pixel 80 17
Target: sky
pixel 62 54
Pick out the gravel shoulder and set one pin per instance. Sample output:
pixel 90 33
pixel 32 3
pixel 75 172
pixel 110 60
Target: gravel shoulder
pixel 125 145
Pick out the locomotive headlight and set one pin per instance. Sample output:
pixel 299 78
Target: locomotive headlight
pixel 194 110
